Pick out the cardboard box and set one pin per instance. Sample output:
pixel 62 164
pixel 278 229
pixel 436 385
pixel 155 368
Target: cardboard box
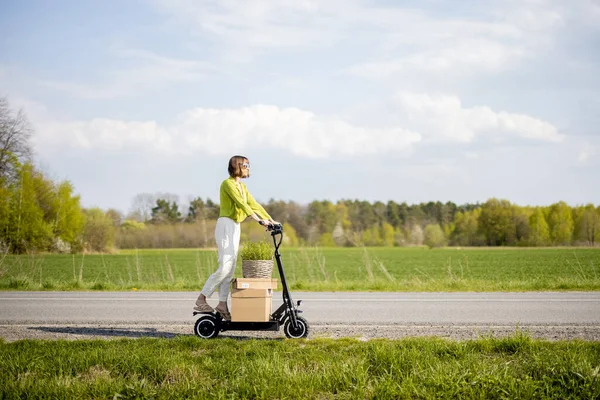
pixel 251 305
pixel 254 283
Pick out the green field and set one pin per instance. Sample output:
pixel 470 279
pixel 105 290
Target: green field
pixel 186 367
pixel 318 269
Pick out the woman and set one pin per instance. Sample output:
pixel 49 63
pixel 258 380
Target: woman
pixel 236 205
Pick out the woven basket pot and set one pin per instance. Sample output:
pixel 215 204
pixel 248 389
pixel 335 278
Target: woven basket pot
pixel 257 268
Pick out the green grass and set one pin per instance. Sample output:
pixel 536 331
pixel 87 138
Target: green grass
pixel 186 367
pixel 319 269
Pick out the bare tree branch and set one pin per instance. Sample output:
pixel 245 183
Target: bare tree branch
pixel 15 133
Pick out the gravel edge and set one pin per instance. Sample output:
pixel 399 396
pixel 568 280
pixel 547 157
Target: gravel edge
pixel 108 331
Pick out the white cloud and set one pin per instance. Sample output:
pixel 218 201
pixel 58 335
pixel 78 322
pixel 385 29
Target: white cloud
pixel 394 40
pixel 248 28
pixel 443 117
pixel 106 134
pixel 150 71
pixel 298 132
pixel 532 15
pixel 221 131
pixel 463 57
pixel 592 9
pixel 419 44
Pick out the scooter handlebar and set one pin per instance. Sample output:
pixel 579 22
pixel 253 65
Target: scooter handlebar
pixel 272 227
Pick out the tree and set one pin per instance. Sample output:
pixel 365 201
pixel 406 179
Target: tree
pixel 196 210
pixel 496 222
pixel 342 226
pixel 5 213
pixel 560 223
pixel 466 228
pixel 416 235
pixel 143 203
pixel 434 236
pixel 448 212
pixel 588 224
pixel 521 224
pixel 388 235
pixel 326 240
pixel 372 236
pixel 165 212
pixel 322 214
pixel 290 237
pixel 45 194
pixel 361 215
pixel 341 211
pixel 27 230
pixel 68 220
pixel 339 235
pixel 15 133
pixel 132 225
pixel 98 230
pixel 392 214
pixel 449 229
pixel 314 215
pixel 212 209
pixel 379 209
pixel 538 227
pixel 399 237
pixel 38 214
pixel 278 210
pixel 433 212
pixel 115 216
pixel 296 219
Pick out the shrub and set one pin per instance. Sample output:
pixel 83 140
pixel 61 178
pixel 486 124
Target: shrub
pixel 434 236
pixel 133 225
pixel 98 230
pixel 256 251
pixel 326 240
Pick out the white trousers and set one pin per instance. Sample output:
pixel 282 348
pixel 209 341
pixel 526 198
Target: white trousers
pixel 227 235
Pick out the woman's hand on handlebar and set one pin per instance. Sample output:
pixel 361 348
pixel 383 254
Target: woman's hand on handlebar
pixel 270 224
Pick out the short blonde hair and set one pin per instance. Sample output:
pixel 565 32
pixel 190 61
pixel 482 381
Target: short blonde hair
pixel 235 166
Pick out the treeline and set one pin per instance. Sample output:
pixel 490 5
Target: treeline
pixel 39 214
pixel 493 223
pixel 361 223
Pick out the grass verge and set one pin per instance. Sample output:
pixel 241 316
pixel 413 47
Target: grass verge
pixel 187 367
pixel 318 269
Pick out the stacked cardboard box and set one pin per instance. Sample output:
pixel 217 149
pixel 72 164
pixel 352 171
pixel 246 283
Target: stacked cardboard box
pixel 251 299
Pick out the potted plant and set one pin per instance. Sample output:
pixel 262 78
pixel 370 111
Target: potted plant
pixel 257 260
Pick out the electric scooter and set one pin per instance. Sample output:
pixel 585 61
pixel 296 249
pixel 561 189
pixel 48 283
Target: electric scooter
pixel 210 324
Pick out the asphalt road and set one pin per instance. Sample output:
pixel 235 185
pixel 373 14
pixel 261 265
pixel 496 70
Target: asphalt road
pixel 556 315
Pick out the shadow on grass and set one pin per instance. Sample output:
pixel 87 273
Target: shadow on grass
pixel 139 333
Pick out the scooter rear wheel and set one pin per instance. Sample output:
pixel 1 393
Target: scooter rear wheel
pixel 300 332
pixel 207 327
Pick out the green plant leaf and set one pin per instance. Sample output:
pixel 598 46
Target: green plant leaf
pixel 256 251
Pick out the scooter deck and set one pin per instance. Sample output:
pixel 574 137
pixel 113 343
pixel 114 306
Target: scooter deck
pixel 272 325
pixel 249 326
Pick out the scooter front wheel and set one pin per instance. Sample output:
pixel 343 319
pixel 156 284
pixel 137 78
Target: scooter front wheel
pixel 301 330
pixel 207 327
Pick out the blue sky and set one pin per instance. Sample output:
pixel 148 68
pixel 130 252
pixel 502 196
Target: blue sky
pixel 376 100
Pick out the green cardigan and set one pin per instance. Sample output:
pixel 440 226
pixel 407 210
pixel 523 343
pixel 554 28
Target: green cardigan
pixel 233 205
